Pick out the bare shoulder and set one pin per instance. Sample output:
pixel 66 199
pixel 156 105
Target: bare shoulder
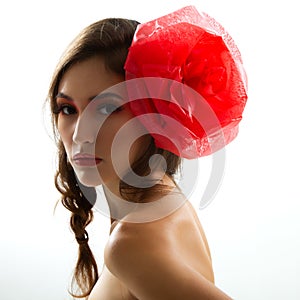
pixel 158 234
pixel 136 239
pixel 151 258
pixel 152 230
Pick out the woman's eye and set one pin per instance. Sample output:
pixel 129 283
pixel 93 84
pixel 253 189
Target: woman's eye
pixel 108 108
pixel 66 110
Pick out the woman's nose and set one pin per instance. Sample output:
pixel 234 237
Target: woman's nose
pixel 85 129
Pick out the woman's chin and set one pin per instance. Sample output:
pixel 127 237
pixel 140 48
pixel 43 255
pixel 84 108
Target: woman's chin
pixel 91 184
pixel 89 179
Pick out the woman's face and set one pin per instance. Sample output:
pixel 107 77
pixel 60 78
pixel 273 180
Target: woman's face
pixel 89 117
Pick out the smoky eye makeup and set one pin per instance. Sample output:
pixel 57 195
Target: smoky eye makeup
pixel 108 103
pixel 64 104
pixel 108 108
pixel 65 109
pixel 105 103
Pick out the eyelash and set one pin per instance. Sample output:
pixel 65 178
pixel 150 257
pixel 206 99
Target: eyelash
pixel 61 107
pixel 117 108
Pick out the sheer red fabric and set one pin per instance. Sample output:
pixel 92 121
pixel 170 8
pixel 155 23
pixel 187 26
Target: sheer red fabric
pixel 197 101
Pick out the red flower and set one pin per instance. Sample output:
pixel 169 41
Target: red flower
pixel 200 70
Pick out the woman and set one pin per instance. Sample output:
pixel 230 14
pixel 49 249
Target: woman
pixel 162 257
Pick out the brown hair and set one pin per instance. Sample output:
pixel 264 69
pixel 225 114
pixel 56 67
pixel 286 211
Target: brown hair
pixel 110 39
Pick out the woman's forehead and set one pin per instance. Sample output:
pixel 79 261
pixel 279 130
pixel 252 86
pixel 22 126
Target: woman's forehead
pixel 88 79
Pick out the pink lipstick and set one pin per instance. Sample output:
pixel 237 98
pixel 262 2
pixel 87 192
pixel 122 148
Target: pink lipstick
pixel 86 160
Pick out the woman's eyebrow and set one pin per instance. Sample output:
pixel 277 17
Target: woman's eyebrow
pixel 97 97
pixel 106 95
pixel 64 96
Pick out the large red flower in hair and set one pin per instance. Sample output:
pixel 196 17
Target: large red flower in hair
pixel 203 83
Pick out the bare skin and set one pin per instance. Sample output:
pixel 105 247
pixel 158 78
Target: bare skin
pixel 165 259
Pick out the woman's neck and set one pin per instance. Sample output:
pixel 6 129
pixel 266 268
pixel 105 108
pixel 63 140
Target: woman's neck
pixel 120 207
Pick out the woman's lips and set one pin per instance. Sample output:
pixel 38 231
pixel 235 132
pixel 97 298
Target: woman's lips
pixel 86 160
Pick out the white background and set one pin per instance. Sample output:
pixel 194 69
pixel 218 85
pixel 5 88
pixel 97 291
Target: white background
pixel 253 223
